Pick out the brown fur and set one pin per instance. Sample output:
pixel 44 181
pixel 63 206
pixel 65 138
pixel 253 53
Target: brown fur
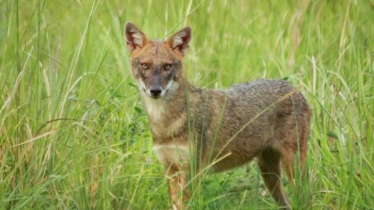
pixel 267 119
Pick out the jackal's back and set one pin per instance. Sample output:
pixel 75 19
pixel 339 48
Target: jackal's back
pixel 261 95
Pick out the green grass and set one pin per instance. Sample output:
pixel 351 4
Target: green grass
pixel 73 134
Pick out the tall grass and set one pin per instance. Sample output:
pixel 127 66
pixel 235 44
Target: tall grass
pixel 73 134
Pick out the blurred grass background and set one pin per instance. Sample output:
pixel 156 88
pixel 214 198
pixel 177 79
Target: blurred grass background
pixel 73 134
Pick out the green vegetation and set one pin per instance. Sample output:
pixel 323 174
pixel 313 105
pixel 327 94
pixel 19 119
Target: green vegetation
pixel 73 134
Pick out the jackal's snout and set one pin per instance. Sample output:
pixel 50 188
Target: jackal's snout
pixel 158 90
pixel 155 88
pixel 155 91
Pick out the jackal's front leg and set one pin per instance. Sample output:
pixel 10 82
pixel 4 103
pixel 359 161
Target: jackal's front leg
pixel 177 183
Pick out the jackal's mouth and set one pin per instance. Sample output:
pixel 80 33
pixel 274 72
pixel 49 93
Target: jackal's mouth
pixel 155 97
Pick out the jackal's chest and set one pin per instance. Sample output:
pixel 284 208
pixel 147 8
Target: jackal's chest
pixel 169 130
pixel 171 142
pixel 172 153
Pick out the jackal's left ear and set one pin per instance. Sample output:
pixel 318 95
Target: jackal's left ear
pixel 180 40
pixel 134 36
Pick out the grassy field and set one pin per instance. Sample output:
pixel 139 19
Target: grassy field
pixel 73 133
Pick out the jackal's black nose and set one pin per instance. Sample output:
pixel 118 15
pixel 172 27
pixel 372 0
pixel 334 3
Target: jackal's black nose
pixel 155 91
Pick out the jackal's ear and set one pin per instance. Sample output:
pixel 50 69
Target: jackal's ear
pixel 180 40
pixel 134 36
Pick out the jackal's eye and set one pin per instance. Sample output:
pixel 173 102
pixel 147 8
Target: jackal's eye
pixel 144 66
pixel 167 67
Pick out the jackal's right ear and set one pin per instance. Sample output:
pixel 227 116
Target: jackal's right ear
pixel 180 40
pixel 134 36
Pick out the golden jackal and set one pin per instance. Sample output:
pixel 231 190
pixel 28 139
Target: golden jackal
pixel 266 119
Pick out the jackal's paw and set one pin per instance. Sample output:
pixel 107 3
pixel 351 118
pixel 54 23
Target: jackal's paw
pixel 178 207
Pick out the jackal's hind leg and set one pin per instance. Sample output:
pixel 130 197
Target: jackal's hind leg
pixel 269 163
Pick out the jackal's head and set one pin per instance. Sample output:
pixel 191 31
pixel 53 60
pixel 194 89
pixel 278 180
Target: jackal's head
pixel 157 65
